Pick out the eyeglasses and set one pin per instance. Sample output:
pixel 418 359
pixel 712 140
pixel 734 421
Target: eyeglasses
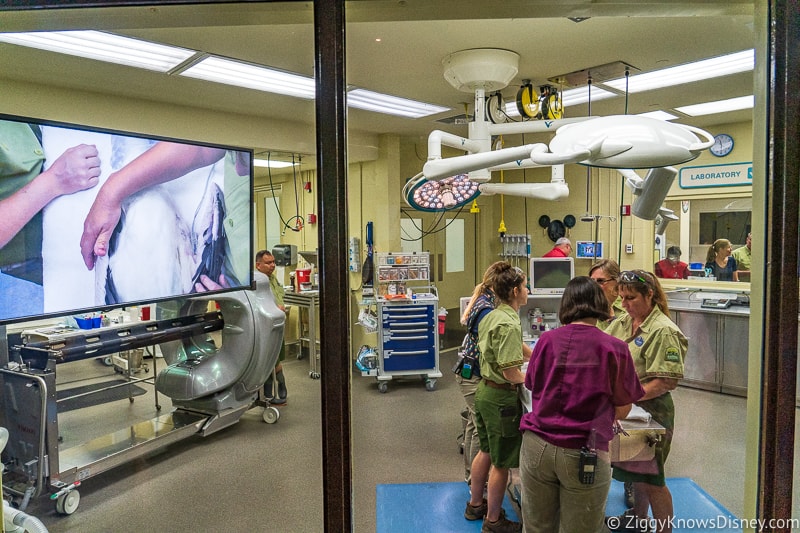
pixel 630 276
pixel 603 281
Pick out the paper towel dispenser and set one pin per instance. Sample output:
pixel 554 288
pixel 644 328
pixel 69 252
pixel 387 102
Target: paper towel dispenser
pixel 285 254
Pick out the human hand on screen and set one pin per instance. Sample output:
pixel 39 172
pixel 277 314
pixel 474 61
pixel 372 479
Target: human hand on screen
pixel 78 168
pixel 207 284
pixel 97 228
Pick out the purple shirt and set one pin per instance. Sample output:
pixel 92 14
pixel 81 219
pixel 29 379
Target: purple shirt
pixel 577 375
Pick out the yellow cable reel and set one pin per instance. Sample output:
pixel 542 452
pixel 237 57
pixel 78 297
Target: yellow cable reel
pixel 527 100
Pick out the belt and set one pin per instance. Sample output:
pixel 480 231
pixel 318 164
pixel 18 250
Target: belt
pixel 502 386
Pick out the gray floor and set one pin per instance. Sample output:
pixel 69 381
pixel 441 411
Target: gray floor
pixel 259 477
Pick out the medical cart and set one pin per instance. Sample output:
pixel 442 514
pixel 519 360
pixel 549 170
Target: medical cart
pixel 407 309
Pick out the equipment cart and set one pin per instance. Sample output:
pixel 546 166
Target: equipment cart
pixel 407 308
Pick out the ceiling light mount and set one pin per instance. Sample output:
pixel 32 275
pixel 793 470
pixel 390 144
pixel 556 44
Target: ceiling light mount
pixel 598 74
pixel 490 69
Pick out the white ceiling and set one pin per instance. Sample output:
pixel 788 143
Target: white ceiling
pixel 414 37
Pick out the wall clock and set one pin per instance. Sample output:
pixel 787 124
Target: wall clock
pixel 723 144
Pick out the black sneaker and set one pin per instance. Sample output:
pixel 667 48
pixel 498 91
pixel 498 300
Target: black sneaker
pixel 628 487
pixel 475 513
pixel 503 525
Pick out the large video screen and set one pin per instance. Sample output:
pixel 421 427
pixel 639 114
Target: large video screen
pixel 94 219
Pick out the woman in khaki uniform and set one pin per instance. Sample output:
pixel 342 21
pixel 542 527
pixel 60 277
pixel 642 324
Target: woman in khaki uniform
pixel 658 348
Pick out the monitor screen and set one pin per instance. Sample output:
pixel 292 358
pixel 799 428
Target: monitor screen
pixel 586 249
pixel 96 219
pixel 550 275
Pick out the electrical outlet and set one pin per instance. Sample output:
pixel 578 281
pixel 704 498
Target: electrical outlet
pixel 629 248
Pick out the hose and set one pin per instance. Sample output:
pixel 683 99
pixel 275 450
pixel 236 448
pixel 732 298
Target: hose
pixel 15 521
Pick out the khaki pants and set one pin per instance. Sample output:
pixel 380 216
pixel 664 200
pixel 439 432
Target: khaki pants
pixel 553 499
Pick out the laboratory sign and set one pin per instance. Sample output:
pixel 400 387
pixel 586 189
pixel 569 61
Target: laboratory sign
pixel 731 175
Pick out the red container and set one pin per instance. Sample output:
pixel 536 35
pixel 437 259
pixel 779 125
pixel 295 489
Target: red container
pixel 302 275
pixel 442 320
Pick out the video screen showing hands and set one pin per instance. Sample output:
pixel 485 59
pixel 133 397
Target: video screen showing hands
pixel 94 219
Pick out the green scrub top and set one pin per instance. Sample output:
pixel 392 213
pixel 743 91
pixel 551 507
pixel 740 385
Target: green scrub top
pixel 500 342
pixel 21 159
pixel 658 347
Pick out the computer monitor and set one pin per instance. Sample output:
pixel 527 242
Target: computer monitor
pixel 586 249
pixel 550 275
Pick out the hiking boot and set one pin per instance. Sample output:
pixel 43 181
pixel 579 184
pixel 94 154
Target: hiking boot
pixel 475 513
pixel 628 487
pixel 503 525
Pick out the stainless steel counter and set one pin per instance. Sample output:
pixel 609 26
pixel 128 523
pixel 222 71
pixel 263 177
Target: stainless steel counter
pixel 718 353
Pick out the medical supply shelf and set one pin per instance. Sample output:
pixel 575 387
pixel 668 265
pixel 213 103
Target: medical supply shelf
pixel 308 300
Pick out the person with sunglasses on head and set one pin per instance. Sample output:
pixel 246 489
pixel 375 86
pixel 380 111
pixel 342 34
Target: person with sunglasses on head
pixel 605 273
pixel 498 409
pixel 658 348
pixel 581 380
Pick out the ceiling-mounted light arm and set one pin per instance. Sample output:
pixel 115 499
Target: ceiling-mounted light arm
pixel 542 191
pixel 532 126
pixel 441 168
pixel 632 180
pixel 557 189
pixel 437 138
pixel 650 191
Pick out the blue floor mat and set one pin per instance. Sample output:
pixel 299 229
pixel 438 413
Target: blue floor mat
pixel 439 507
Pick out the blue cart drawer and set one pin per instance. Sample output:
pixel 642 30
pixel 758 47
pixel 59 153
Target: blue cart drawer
pixel 402 360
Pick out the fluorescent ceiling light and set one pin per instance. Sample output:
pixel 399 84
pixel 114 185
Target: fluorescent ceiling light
pixel 241 74
pixel 270 163
pixel 104 47
pixel 391 105
pixel 720 106
pixel 705 69
pixel 660 115
pixel 582 95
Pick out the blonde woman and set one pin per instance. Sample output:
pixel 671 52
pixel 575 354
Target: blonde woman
pixel 605 273
pixel 720 262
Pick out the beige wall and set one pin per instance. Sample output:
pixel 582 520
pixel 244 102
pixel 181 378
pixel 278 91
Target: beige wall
pixel 379 167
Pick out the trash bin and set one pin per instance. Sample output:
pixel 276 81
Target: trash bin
pixel 442 319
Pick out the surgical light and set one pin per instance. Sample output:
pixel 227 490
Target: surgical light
pixel 456 191
pixel 448 193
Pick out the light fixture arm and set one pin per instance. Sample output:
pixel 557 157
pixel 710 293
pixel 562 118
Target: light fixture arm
pixel 438 138
pixel 437 169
